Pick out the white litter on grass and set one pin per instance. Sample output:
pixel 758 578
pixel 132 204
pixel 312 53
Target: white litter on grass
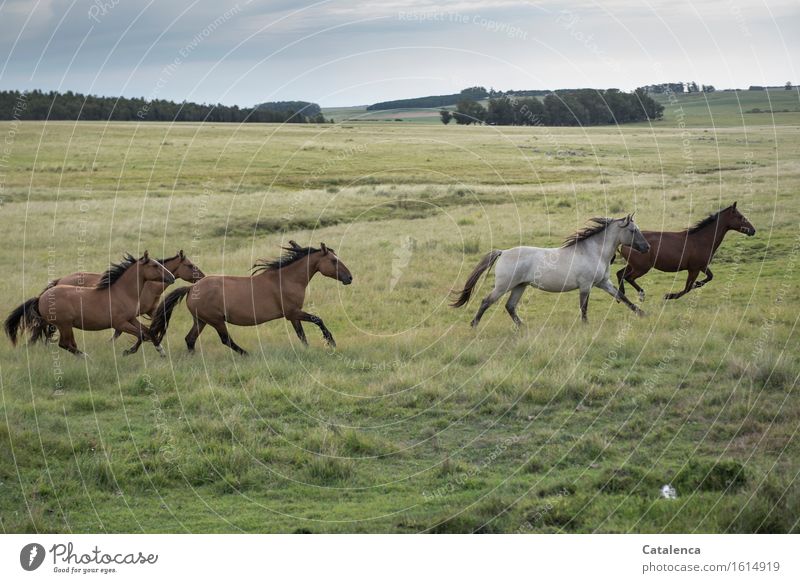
pixel 668 492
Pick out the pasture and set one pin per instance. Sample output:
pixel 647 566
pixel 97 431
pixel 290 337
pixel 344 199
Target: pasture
pixel 416 422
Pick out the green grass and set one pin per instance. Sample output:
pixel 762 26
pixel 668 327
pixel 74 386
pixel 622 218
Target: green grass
pixel 415 423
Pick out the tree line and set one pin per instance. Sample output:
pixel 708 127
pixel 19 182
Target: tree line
pixel 581 107
pixel 54 105
pixel 431 101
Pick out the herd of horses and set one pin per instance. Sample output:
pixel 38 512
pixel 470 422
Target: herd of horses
pixel 276 288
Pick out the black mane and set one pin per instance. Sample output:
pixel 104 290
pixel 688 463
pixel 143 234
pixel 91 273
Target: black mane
pixel 293 254
pixel 162 261
pixel 596 225
pixel 115 271
pixel 706 221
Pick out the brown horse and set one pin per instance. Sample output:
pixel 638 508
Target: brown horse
pixel 178 265
pixel 276 289
pixel 691 250
pixel 112 303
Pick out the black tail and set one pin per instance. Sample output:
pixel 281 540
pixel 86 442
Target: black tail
pixel 158 327
pixel 484 265
pixel 26 316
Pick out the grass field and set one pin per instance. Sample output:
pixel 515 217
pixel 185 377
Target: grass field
pixel 416 423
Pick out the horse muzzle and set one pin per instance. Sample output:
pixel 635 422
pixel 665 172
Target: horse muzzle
pixel 642 248
pixel 749 231
pixel 346 280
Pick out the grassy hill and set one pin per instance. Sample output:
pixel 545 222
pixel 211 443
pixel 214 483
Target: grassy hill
pixel 721 108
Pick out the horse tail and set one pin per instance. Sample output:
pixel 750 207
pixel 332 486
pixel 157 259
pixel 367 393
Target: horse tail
pixel 158 327
pixel 26 316
pixel 484 265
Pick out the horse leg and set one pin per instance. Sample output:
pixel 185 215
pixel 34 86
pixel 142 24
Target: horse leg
pixel 513 300
pixel 690 279
pixel 631 280
pixel 66 340
pixel 298 328
pixel 114 336
pixel 631 274
pixel 709 277
pixel 136 329
pixel 609 288
pixel 306 317
pixel 226 339
pixel 621 279
pixel 585 302
pixel 487 301
pixel 194 333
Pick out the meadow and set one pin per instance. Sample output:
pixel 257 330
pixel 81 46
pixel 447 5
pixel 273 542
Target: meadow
pixel 416 423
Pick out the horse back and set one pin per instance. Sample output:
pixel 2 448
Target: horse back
pixel 79 279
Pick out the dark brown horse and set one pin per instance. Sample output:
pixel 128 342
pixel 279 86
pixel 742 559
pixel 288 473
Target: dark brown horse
pixel 277 289
pixel 691 250
pixel 112 303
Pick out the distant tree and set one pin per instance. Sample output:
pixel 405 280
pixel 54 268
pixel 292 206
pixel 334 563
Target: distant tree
pixel 708 89
pixel 469 111
pixel 788 86
pixel 500 112
pixel 446 116
pixel 691 87
pixel 476 92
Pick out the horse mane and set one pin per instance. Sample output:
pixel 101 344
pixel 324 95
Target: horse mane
pixel 292 254
pixel 706 221
pixel 162 261
pixel 595 225
pixel 114 272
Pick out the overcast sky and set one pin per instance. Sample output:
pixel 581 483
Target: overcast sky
pixel 343 52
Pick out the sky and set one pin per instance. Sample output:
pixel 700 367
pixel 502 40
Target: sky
pixel 343 52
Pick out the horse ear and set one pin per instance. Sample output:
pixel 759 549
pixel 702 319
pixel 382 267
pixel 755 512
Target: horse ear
pixel 293 244
pixel 181 253
pixel 146 256
pixel 734 204
pixel 324 248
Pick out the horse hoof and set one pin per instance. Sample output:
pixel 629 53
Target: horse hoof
pixel 641 313
pixel 127 352
pixel 161 352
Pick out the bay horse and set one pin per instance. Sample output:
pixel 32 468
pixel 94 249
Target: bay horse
pixel 275 289
pixel 179 265
pixel 690 250
pixel 112 303
pixel 582 262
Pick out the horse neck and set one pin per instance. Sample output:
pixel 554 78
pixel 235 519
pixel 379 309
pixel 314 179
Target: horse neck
pixel 173 264
pixel 713 233
pixel 605 246
pixel 299 272
pixel 129 283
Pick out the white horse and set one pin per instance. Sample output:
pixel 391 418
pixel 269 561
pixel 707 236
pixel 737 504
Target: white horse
pixel 582 262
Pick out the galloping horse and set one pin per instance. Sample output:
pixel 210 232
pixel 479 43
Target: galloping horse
pixel 582 262
pixel 276 289
pixel 112 303
pixel 691 250
pixel 178 265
